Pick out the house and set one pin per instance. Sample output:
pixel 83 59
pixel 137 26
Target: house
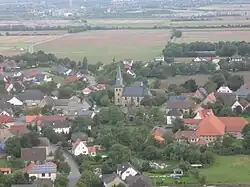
pixel 43 183
pixel 45 170
pixel 159 59
pixel 132 95
pixel 18 129
pixel 80 147
pixel 211 98
pixel 34 154
pixel 111 180
pixel 184 106
pixel 15 102
pixel 86 91
pixel 216 61
pixel 240 103
pixel 49 120
pixel 5 133
pixel 62 127
pixel 226 98
pixel 224 89
pixel 172 115
pixel 126 169
pixel 243 91
pixel 45 144
pixel 204 113
pixel 139 181
pixel 191 123
pixel 6 119
pixel 5 108
pixel 5 171
pixel 72 79
pixel 212 128
pixel 31 97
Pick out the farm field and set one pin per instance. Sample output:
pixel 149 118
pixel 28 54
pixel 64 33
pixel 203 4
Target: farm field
pixel 200 79
pixel 105 45
pixel 12 45
pixel 160 22
pixel 226 170
pixel 214 35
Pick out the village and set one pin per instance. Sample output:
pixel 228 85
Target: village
pixel 61 123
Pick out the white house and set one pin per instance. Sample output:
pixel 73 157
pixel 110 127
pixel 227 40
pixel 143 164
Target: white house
pixel 242 103
pixel 125 170
pixel 224 89
pixel 42 171
pixel 16 102
pixel 80 148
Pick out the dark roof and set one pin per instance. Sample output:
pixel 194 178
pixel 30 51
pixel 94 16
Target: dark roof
pixel 4 105
pixel 227 98
pixel 108 178
pixel 179 104
pixel 118 78
pixel 139 181
pixel 174 112
pixel 31 95
pixel 33 154
pixel 43 183
pixel 178 97
pixel 59 124
pixel 242 91
pixel 203 91
pixel 43 141
pixel 138 89
pixel 24 185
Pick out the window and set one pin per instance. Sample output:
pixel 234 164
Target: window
pixel 126 98
pixel 118 94
pixel 116 89
pixel 43 174
pixel 118 100
pixel 138 99
pixel 49 174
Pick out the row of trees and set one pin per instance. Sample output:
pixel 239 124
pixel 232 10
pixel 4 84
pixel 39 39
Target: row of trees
pixel 223 49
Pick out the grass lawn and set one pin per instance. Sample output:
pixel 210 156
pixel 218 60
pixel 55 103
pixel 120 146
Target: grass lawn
pixel 229 169
pixel 3 163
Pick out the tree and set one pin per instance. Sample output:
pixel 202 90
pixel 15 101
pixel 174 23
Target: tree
pixel 190 85
pixel 85 63
pixel 235 82
pixel 13 146
pixel 61 181
pixel 210 86
pixel 219 79
pixel 156 84
pixel 19 178
pixel 119 154
pixel 65 92
pixel 88 179
pixel 178 124
pixel 63 167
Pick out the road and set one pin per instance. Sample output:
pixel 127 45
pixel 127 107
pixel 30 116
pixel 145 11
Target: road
pixel 74 174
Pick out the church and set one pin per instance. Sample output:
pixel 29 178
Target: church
pixel 132 95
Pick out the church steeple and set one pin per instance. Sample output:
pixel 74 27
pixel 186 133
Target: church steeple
pixel 119 79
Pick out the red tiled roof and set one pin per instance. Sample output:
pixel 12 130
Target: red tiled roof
pixel 205 112
pixel 5 170
pixel 184 134
pixel 18 129
pixel 53 118
pixel 234 124
pixel 32 118
pixel 71 79
pixel 6 119
pixel 210 126
pixel 92 149
pixel 191 121
pixel 32 164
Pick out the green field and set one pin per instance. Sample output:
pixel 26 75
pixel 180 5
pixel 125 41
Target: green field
pixel 3 163
pixel 229 169
pixel 225 170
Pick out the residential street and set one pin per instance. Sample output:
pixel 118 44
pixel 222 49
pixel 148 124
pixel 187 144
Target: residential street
pixel 74 174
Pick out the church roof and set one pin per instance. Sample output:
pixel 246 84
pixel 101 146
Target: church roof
pixel 119 79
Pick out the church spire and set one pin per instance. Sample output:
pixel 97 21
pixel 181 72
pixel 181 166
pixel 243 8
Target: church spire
pixel 119 79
